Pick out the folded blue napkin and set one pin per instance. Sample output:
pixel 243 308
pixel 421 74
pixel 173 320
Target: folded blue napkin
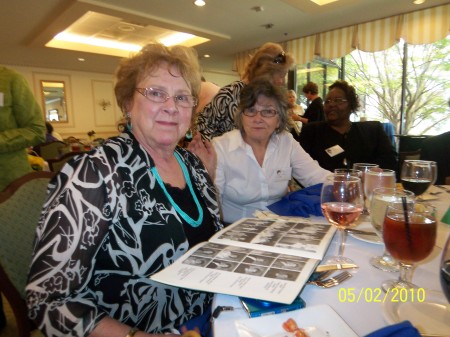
pixel 304 202
pixel 403 329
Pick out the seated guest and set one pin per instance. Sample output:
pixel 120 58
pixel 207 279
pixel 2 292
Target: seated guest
pixel 51 135
pixel 339 143
pixel 124 211
pixel 256 161
pixel 437 148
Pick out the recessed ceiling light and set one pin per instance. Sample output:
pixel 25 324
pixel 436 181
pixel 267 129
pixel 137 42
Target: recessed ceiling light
pixel 199 3
pixel 81 59
pixel 206 56
pixel 418 2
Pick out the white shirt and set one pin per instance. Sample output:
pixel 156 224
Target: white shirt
pixel 245 186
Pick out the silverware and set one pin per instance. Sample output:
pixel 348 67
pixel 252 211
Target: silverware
pixel 358 231
pixel 332 281
pixel 338 266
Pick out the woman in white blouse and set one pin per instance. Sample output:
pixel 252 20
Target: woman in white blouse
pixel 256 161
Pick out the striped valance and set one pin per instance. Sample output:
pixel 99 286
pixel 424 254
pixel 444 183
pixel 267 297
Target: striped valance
pixel 419 27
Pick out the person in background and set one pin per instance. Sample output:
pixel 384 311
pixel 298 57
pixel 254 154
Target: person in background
pixel 295 112
pixel 207 92
pixel 256 161
pixel 338 142
pixel 21 127
pixel 314 111
pixel 51 135
pixel 269 61
pixel 437 148
pixel 124 211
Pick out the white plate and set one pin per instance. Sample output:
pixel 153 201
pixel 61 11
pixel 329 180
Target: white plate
pixel 367 226
pixel 431 316
pixel 318 321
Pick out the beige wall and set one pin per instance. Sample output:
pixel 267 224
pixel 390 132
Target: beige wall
pixel 84 94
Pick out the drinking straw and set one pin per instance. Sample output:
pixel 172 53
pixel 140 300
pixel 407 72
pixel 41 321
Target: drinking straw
pixel 405 214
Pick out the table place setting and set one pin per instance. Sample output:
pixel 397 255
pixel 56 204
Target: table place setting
pixel 423 311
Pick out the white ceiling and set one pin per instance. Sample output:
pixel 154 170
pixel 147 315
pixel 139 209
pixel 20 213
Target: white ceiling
pixel 231 25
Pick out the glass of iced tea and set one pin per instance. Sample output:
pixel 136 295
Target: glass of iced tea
pixel 409 235
pixel 341 200
pixel 381 198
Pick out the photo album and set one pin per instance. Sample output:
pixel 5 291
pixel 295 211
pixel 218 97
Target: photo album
pixel 265 259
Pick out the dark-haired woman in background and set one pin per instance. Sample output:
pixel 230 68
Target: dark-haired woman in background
pixel 338 142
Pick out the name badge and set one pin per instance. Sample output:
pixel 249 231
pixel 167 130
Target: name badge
pixel 334 150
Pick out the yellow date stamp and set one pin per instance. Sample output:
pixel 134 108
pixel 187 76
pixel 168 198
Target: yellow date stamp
pixel 378 295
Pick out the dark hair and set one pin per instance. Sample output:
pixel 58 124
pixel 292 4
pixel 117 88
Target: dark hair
pixel 49 127
pixel 250 94
pixel 311 87
pixel 350 94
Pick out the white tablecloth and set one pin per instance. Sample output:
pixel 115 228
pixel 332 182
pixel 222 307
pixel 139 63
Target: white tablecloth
pixel 366 315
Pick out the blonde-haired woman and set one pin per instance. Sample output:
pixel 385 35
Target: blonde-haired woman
pixel 269 61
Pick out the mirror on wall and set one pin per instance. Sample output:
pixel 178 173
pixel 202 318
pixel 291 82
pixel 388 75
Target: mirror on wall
pixel 54 99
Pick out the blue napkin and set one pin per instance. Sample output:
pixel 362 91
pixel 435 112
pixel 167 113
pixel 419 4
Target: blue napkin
pixel 304 202
pixel 403 329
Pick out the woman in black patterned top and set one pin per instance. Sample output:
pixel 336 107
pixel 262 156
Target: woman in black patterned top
pixel 217 117
pixel 124 211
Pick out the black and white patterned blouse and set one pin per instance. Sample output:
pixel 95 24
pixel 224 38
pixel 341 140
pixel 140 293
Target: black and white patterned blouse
pixel 217 117
pixel 105 228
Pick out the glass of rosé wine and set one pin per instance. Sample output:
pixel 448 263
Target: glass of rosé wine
pixel 409 235
pixel 342 201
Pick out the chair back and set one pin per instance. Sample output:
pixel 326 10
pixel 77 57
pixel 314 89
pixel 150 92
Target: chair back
pixel 20 208
pixel 56 164
pixel 52 149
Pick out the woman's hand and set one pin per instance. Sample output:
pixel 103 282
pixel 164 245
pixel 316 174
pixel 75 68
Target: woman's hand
pixel 205 151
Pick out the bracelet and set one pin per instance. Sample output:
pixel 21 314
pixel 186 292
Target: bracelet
pixel 132 332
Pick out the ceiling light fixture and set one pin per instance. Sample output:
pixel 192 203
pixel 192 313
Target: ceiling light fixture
pixel 418 2
pixel 199 3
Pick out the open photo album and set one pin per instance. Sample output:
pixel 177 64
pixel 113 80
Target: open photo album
pixel 265 259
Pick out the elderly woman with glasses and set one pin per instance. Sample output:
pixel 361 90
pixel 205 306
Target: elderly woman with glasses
pixel 126 210
pixel 338 142
pixel 256 161
pixel 217 117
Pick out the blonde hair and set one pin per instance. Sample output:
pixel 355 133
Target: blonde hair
pixel 133 69
pixel 263 62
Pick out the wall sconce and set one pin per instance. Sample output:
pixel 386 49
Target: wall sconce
pixel 104 104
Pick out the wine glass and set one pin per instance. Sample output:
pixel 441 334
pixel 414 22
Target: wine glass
pixel 341 200
pixel 349 172
pixel 381 198
pixel 416 176
pixel 444 270
pixel 409 234
pixel 377 177
pixel 364 167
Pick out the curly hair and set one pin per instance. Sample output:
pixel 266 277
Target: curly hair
pixel 134 69
pixel 263 62
pixel 350 94
pixel 250 94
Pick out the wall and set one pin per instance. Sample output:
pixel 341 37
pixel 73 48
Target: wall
pixel 84 94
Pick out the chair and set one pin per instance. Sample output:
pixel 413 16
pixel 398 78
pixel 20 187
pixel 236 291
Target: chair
pixel 20 207
pixel 52 149
pixel 56 164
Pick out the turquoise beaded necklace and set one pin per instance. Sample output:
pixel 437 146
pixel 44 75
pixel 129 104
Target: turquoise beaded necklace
pixel 186 217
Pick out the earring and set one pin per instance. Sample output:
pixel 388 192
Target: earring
pixel 189 134
pixel 129 125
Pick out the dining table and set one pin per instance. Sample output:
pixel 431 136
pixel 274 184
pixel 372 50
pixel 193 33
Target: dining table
pixel 360 300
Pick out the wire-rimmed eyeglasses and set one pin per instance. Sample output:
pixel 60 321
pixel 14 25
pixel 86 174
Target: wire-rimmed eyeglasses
pixel 160 96
pixel 280 58
pixel 335 101
pixel 251 112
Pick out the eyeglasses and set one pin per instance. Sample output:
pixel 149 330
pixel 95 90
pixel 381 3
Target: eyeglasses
pixel 335 101
pixel 251 112
pixel 160 96
pixel 280 58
